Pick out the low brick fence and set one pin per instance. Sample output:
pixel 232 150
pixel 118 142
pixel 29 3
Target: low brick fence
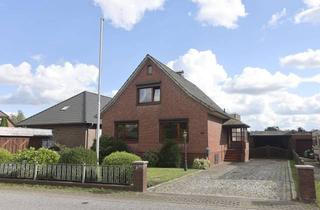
pixel 132 177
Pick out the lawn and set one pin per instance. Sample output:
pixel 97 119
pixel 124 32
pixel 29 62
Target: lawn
pixel 160 175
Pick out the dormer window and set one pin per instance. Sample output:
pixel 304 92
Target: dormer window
pixel 149 94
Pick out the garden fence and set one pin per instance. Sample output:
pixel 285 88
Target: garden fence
pixel 119 175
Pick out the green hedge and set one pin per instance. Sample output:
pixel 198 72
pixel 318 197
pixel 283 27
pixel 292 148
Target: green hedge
pixel 120 158
pixel 40 156
pixel 78 155
pixel 109 145
pixel 152 158
pixel 169 155
pixel 5 156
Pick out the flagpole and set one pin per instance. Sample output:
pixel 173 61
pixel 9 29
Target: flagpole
pixel 99 84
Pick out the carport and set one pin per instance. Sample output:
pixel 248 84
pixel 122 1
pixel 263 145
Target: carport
pixel 269 144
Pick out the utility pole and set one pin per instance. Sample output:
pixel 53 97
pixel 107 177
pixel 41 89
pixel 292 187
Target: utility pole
pixel 99 84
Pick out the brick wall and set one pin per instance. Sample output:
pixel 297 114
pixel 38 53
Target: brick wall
pixel 174 104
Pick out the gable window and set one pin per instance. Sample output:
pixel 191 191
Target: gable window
pixel 127 131
pixel 173 130
pixel 149 94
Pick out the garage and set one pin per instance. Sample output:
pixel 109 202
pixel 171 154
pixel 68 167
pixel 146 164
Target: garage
pixel 270 144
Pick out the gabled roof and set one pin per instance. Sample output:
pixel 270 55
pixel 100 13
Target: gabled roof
pixel 188 87
pixel 81 108
pixel 235 123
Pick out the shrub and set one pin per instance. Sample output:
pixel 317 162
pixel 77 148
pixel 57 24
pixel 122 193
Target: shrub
pixel 58 147
pixel 120 158
pixel 109 145
pixel 78 155
pixel 5 156
pixel 201 164
pixel 169 155
pixel 40 156
pixel 151 157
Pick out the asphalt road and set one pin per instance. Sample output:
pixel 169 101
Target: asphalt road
pixel 25 200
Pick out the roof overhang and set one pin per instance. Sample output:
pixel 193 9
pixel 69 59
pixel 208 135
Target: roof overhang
pixel 25 132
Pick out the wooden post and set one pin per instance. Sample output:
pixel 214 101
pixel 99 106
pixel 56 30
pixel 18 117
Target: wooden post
pixel 35 173
pixel 83 177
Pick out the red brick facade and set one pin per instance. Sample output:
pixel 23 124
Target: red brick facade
pixel 203 131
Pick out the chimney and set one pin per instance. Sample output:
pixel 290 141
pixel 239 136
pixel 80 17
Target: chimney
pixel 236 116
pixel 180 72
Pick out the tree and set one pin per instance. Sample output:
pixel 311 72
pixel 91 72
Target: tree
pixel 18 117
pixel 4 122
pixel 273 128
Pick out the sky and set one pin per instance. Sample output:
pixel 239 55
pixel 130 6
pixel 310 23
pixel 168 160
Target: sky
pixel 260 59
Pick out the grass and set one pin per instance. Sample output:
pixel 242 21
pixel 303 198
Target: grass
pixel 160 175
pixel 294 174
pixel 51 188
pixel 318 192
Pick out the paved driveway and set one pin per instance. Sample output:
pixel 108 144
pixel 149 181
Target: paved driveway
pixel 258 179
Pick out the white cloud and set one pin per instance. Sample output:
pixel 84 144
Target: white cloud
pixel 224 13
pixel 46 84
pixel 309 15
pixel 263 81
pixel 261 97
pixel 126 13
pixel 277 18
pixel 307 59
pixel 37 57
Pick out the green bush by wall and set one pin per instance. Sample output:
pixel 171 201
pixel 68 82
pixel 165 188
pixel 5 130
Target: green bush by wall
pixel 78 155
pixel 120 158
pixel 40 156
pixel 5 156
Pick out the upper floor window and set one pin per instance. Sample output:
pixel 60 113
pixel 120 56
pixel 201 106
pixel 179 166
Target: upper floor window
pixel 149 95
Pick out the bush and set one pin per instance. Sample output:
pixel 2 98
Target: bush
pixel 120 158
pixel 78 155
pixel 201 164
pixel 169 155
pixel 151 157
pixel 109 145
pixel 58 147
pixel 40 156
pixel 5 156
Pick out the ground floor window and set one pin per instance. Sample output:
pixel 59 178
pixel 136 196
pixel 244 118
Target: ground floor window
pixel 173 130
pixel 127 131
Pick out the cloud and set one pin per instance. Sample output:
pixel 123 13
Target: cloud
pixel 46 84
pixel 126 13
pixel 262 98
pixel 302 60
pixel 37 57
pixel 311 14
pixel 220 13
pixel 276 19
pixel 263 81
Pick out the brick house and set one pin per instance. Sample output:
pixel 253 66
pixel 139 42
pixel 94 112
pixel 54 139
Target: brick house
pixel 157 103
pixel 73 121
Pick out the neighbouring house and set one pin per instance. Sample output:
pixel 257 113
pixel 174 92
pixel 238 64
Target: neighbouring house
pixel 157 103
pixel 15 139
pixel 5 120
pixel 278 143
pixel 316 143
pixel 73 121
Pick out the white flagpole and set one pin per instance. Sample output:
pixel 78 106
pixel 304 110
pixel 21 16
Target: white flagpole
pixel 99 84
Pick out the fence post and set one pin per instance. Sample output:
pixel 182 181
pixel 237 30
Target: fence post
pixel 140 176
pixel 83 177
pixel 35 174
pixel 307 191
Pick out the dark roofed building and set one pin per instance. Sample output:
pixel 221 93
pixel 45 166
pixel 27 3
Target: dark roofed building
pixel 157 103
pixel 72 121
